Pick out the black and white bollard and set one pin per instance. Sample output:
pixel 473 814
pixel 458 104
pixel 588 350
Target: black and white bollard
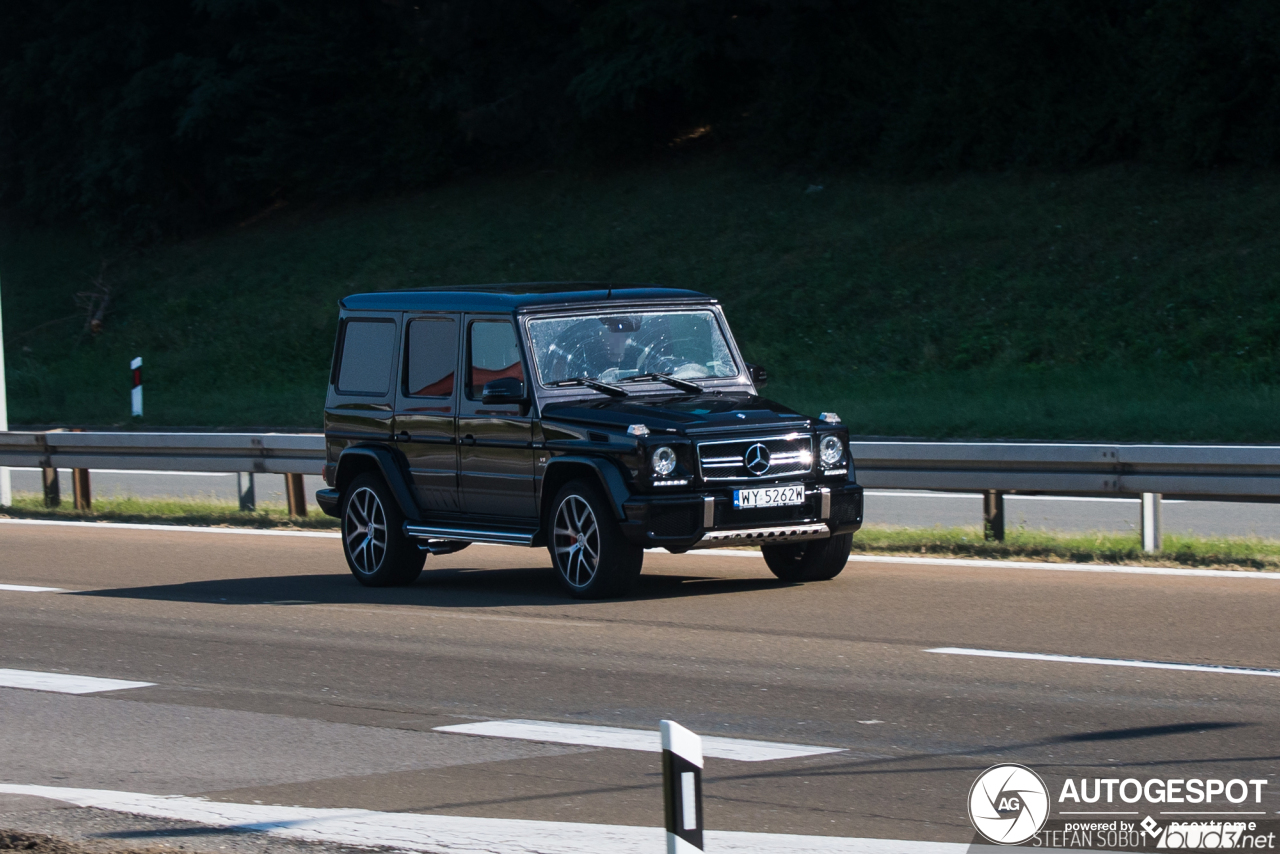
pixel 136 367
pixel 682 787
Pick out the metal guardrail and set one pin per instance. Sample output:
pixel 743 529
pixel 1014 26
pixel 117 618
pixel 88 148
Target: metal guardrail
pixel 1222 472
pixel 291 455
pixel 1194 471
pixel 275 453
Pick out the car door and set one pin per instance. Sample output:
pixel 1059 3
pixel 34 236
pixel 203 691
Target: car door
pixel 426 408
pixel 495 440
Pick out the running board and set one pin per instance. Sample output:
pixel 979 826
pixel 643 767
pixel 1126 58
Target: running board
pixel 774 534
pixel 470 535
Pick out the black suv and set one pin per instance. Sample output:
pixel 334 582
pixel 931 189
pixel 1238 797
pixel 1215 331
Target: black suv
pixel 594 420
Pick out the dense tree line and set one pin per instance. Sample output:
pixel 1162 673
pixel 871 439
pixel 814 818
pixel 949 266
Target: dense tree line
pixel 150 114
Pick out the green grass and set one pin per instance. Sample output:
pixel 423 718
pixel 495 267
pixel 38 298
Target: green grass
pixel 1110 305
pixel 165 511
pixel 1242 553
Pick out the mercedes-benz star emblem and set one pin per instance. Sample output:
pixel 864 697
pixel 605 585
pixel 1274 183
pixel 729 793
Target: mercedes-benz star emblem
pixel 756 459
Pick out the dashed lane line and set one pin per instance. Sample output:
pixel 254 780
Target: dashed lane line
pixel 27 588
pixel 64 683
pixel 741 749
pixel 1110 662
pixel 459 834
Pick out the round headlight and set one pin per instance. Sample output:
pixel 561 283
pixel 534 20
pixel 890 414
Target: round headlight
pixel 664 461
pixel 832 450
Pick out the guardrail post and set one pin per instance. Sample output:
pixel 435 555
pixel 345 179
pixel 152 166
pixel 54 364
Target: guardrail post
pixel 993 515
pixel 244 486
pixel 295 495
pixel 80 490
pixel 52 489
pixel 1152 536
pixel 682 787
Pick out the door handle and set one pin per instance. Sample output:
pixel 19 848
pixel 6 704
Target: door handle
pixel 403 436
pixel 469 439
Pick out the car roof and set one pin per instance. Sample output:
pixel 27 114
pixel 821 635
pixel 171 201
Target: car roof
pixel 514 297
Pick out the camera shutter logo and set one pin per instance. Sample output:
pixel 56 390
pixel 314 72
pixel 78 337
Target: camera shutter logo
pixel 1008 804
pixel 756 459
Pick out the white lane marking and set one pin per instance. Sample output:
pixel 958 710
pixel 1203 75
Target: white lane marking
pixel 751 553
pixel 1113 662
pixel 459 834
pixel 64 683
pixel 741 749
pixel 27 588
pixel 1065 567
pixel 133 526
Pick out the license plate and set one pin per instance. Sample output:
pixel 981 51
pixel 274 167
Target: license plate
pixel 769 496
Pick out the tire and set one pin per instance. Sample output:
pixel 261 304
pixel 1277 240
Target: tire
pixel 819 560
pixel 582 522
pixel 373 541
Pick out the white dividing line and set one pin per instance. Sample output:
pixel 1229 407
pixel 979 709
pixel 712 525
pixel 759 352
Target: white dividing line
pixel 132 526
pixel 741 749
pixel 1065 567
pixel 972 563
pixel 26 588
pixel 64 683
pixel 1112 662
pixel 459 834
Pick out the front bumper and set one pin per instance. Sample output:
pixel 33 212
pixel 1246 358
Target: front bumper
pixel 707 518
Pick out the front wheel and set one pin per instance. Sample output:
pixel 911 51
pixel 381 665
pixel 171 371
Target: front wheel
pixel 592 557
pixel 818 560
pixel 377 551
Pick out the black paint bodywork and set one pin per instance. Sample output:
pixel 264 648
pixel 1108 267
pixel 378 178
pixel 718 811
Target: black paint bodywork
pixel 509 459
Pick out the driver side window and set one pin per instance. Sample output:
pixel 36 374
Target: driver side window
pixel 494 353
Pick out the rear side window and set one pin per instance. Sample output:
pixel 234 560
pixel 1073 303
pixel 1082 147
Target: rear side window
pixel 495 354
pixel 433 357
pixel 368 347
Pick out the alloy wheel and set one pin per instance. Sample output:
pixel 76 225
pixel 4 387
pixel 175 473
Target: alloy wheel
pixel 365 530
pixel 577 541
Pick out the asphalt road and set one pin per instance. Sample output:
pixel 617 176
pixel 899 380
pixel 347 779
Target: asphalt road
pixel 884 507
pixel 278 680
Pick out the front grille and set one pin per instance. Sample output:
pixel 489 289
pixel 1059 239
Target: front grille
pixel 728 460
pixel 674 520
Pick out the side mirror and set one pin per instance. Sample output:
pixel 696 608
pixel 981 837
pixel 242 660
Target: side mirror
pixel 759 376
pixel 503 390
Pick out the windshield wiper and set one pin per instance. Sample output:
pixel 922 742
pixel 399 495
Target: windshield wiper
pixel 611 390
pixel 684 385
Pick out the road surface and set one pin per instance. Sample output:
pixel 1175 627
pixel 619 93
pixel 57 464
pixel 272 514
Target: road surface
pixel 274 679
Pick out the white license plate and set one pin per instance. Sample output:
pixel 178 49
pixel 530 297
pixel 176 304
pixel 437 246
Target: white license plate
pixel 769 496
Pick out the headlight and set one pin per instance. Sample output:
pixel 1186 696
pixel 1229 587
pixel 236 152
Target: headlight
pixel 831 450
pixel 664 461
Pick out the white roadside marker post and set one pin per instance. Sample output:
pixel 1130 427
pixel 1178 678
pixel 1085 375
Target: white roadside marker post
pixel 1152 536
pixel 6 483
pixel 136 367
pixel 682 787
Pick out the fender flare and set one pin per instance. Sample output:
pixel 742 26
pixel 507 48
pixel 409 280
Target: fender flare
pixel 392 468
pixel 610 479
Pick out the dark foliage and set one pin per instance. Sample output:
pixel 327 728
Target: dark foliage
pixel 147 115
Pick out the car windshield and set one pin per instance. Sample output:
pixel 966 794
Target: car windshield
pixel 612 347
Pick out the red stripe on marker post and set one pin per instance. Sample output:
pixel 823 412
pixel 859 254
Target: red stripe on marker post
pixel 136 367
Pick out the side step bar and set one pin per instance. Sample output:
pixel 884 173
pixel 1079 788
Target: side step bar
pixel 470 535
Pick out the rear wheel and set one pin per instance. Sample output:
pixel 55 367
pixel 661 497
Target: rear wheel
pixel 817 560
pixel 377 551
pixel 592 557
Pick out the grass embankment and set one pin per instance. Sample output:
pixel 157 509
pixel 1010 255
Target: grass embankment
pixel 1246 553
pixel 1113 305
